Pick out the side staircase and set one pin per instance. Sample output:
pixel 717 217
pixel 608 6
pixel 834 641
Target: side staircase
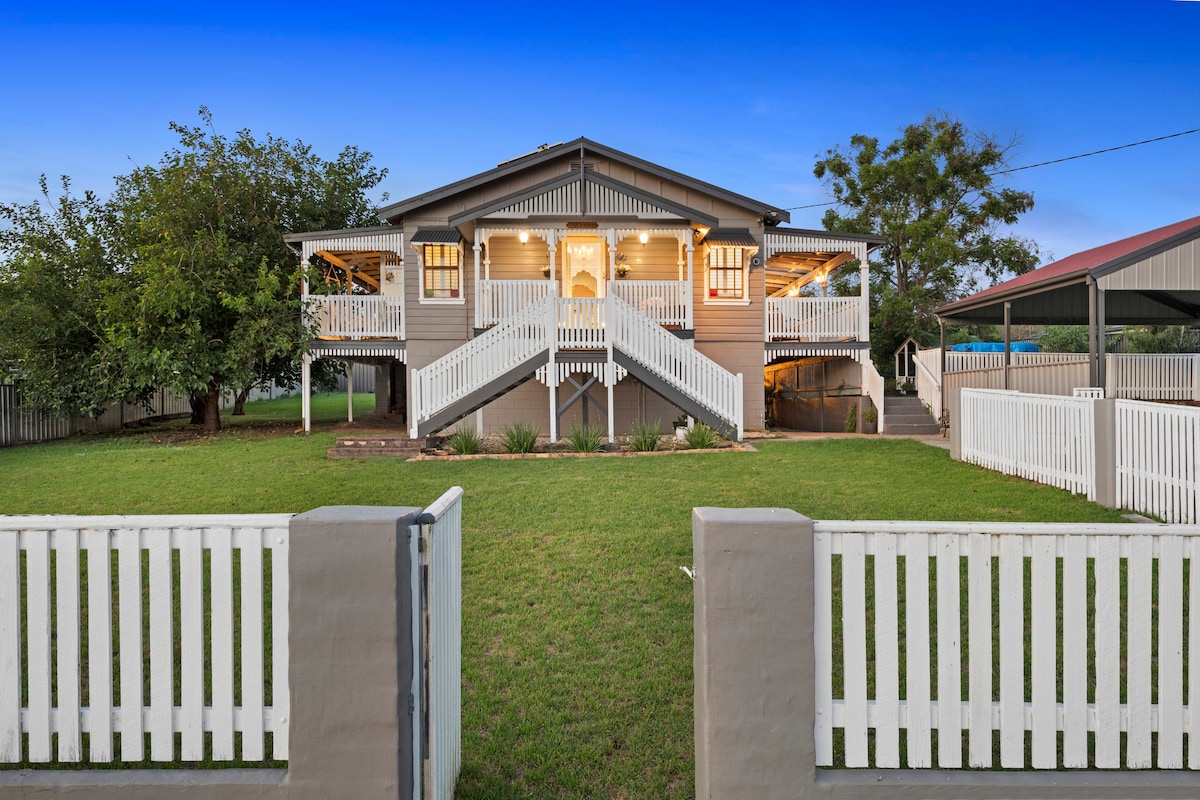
pixel 556 329
pixel 908 416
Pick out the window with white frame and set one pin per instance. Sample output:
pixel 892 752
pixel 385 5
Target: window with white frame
pixel 726 273
pixel 442 271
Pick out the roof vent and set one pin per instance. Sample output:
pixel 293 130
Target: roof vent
pixel 540 148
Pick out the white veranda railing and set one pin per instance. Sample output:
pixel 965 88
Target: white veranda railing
pixel 1095 678
pixel 815 318
pixel 499 300
pixel 356 316
pixel 663 302
pixel 124 576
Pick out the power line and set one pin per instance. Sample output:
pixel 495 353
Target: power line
pixel 1096 152
pixel 1046 163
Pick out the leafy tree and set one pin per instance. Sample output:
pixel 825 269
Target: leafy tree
pixel 56 260
pixel 1064 339
pixel 930 194
pixel 1162 339
pixel 180 280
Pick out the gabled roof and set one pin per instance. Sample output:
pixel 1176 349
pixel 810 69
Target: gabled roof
pixel 1075 269
pixel 403 207
pixel 527 201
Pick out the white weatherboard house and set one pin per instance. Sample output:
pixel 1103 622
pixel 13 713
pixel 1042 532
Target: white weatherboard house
pixel 579 284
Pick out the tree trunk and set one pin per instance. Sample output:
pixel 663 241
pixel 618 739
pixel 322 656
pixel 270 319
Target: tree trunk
pixel 212 409
pixel 196 401
pixel 239 401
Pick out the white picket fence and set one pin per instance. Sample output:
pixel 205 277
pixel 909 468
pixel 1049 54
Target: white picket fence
pixel 1041 581
pixel 1158 460
pixel 1045 438
pixel 814 318
pixel 106 586
pixel 1155 460
pixel 1154 377
pixel 441 675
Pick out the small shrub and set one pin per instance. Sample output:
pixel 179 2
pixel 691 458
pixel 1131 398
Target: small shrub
pixel 465 442
pixel 852 419
pixel 702 437
pixel 585 439
pixel 871 414
pixel 644 436
pixel 520 437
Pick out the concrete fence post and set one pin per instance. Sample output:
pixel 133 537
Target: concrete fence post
pixel 753 653
pixel 1104 438
pixel 352 657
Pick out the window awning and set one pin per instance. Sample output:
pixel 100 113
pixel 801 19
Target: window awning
pixel 436 236
pixel 730 237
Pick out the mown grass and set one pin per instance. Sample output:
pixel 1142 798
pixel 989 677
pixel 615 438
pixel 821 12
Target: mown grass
pixel 577 622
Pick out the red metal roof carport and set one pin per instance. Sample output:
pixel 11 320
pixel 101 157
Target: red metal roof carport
pixel 1152 278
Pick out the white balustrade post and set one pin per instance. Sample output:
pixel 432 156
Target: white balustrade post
pixel 610 312
pixel 306 391
pixel 864 312
pixel 478 304
pixel 551 336
pixel 691 288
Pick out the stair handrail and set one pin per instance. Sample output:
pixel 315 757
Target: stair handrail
pixel 482 359
pixel 929 387
pixel 686 369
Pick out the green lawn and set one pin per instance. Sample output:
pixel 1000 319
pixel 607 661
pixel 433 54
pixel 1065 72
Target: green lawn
pixel 577 622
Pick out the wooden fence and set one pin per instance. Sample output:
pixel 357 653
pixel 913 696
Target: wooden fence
pixel 23 425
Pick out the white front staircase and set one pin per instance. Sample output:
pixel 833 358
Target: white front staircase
pixel 502 357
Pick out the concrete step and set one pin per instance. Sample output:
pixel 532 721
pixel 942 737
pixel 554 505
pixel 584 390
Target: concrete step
pixel 906 416
pixel 902 429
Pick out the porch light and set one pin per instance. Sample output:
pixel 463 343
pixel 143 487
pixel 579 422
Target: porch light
pixel 821 278
pixel 523 236
pixel 643 237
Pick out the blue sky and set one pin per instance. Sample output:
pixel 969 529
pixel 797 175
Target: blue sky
pixel 439 92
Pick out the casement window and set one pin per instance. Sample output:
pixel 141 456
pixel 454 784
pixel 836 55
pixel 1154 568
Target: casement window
pixel 441 271
pixel 726 273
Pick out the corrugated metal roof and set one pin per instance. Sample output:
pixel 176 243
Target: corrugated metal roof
pixel 568 150
pixel 730 237
pixel 437 236
pixel 1097 261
